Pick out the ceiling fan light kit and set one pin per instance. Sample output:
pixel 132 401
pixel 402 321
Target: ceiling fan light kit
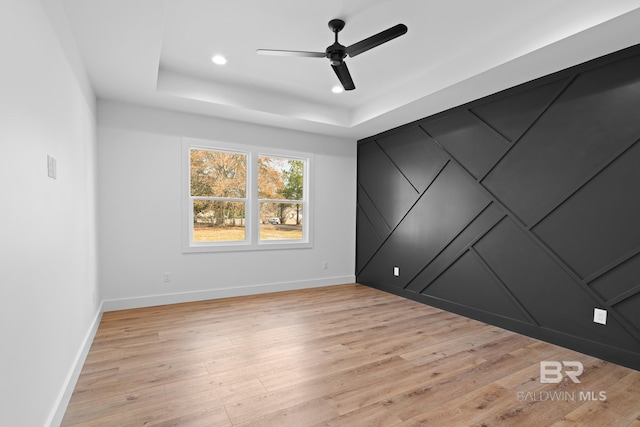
pixel 336 53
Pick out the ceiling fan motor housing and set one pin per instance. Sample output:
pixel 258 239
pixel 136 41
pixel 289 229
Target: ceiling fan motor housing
pixel 336 53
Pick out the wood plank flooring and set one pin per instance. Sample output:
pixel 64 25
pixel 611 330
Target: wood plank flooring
pixel 343 355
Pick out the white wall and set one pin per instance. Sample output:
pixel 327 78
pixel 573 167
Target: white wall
pixel 47 227
pixel 140 226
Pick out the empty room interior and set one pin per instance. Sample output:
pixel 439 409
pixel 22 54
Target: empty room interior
pixel 336 213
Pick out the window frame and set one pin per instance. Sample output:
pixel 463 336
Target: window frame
pixel 252 240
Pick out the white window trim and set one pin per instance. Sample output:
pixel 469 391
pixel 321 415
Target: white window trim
pixel 252 240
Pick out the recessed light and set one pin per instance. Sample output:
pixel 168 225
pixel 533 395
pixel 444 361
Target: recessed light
pixel 219 59
pixel 337 89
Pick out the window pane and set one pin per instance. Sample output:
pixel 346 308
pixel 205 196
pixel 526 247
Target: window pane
pixel 280 178
pixel 215 221
pixel 280 221
pixel 218 173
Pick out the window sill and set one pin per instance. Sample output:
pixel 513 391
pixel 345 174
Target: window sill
pixel 245 247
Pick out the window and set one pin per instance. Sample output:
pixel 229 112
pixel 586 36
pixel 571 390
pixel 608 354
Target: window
pixel 280 191
pixel 218 189
pixel 244 198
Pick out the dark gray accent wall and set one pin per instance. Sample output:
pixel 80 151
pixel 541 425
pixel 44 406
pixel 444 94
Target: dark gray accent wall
pixel 521 209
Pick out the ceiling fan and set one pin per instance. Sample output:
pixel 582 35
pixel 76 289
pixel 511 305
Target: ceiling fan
pixel 337 52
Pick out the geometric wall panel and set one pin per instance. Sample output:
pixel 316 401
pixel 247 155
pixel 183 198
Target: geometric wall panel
pixel 367 240
pixel 513 114
pixel 416 155
pixel 521 209
pixel 595 117
pixel 618 281
pixel 630 309
pixel 369 211
pixel 385 185
pixel 597 225
pixel 468 283
pixel 436 265
pixel 551 296
pixel 465 137
pixel 449 204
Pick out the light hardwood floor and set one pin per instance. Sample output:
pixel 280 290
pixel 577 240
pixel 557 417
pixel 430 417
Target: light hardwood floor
pixel 338 356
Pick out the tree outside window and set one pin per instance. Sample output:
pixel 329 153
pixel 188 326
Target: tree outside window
pixel 280 194
pixel 218 185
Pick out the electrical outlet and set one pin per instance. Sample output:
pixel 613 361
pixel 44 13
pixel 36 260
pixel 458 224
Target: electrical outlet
pixel 166 277
pixel 325 265
pixel 600 316
pixel 52 169
pixel 396 271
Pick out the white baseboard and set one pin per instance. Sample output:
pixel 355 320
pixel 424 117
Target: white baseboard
pixel 60 407
pixel 57 414
pixel 176 298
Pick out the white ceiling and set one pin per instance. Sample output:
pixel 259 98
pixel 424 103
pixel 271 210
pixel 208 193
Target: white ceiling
pixel 158 53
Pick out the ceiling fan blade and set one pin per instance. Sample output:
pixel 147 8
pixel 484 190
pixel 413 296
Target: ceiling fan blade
pixel 376 40
pixel 291 53
pixel 344 76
